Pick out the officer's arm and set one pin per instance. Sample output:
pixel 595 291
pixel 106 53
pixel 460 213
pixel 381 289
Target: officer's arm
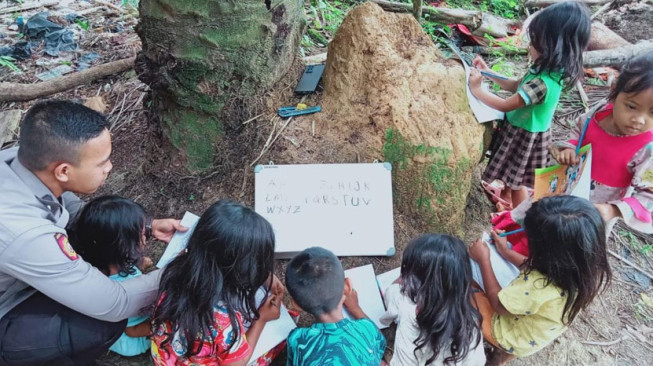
pixel 46 262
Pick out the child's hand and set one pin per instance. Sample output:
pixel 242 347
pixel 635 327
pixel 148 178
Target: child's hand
pixel 479 251
pixel 270 309
pixel 501 243
pixel 475 79
pixel 479 63
pixel 565 156
pixel 607 211
pixel 276 288
pixel 351 304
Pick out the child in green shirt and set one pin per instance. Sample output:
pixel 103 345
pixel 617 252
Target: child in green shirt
pixel 558 35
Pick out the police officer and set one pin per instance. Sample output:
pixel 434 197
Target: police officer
pixel 56 309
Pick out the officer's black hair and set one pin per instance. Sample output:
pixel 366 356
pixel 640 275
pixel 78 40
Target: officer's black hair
pixel 55 130
pixel 315 280
pixel 230 255
pixel 109 231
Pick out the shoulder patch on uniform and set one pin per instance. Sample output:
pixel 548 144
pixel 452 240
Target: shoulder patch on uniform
pixel 64 245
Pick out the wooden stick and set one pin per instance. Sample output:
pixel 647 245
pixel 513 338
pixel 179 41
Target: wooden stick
pixel 15 92
pixel 28 6
pixel 106 3
pixel 609 343
pixel 583 95
pixel 545 3
pixel 630 263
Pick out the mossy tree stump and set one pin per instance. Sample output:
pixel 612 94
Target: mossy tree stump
pixel 199 56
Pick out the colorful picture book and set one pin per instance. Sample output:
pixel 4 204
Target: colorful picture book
pixel 558 180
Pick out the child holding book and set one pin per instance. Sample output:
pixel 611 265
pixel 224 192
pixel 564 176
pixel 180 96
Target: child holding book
pixel 110 234
pixel 558 36
pixel 621 134
pixel 317 284
pixel 432 304
pixel 566 268
pixel 208 294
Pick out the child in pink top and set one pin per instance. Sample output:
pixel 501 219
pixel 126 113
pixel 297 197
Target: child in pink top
pixel 621 134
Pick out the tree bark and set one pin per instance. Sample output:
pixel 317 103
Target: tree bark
pixel 478 22
pixel 205 61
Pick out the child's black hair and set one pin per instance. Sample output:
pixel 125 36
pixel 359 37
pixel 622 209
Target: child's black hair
pixel 437 276
pixel 567 244
pixel 636 75
pixel 560 33
pixel 109 231
pixel 230 255
pixel 315 280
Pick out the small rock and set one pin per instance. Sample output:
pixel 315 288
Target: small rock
pixel 13 27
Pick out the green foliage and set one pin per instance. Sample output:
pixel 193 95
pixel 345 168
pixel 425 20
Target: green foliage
pixel 595 81
pixel 84 24
pixel 635 243
pixel 7 61
pixel 509 9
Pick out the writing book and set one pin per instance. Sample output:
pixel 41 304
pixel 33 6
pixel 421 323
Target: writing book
pixel 179 240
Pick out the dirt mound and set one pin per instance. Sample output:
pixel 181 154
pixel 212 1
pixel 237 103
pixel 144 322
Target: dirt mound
pixel 631 21
pixel 390 95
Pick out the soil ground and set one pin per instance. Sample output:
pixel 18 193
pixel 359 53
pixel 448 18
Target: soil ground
pixel 617 329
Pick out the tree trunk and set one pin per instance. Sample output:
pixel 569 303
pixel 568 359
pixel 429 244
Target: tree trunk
pixel 205 60
pixel 417 10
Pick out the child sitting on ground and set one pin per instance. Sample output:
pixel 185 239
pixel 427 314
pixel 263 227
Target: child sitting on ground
pixel 566 268
pixel 621 134
pixel 558 36
pixel 432 304
pixel 317 284
pixel 208 294
pixel 110 234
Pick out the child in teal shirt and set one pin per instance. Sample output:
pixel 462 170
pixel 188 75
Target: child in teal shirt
pixel 316 281
pixel 110 234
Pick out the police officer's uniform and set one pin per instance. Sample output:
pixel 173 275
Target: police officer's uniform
pixel 54 305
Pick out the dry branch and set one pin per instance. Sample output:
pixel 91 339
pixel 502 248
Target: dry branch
pixel 545 3
pixel 479 22
pixel 28 6
pixel 14 92
pixel 615 57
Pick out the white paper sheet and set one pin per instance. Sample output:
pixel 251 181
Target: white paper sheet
pixel 386 279
pixel 482 112
pixel 179 240
pixel 274 332
pixel 504 271
pixel 364 282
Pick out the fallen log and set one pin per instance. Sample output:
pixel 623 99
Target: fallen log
pixel 615 57
pixel 15 92
pixel 545 3
pixel 478 22
pixel 602 38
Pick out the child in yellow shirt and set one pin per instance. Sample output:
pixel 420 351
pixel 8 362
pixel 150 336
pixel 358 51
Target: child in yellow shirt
pixel 567 267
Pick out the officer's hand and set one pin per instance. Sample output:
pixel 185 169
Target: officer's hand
pixel 163 229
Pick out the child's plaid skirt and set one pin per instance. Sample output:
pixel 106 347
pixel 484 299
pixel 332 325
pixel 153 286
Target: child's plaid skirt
pixel 518 153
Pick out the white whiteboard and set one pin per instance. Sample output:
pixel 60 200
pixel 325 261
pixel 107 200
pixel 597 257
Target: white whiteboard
pixel 346 208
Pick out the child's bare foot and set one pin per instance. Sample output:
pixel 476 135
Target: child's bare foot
pixel 146 263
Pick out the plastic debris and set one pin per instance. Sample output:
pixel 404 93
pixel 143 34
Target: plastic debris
pixel 55 73
pixel 86 60
pixel 57 38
